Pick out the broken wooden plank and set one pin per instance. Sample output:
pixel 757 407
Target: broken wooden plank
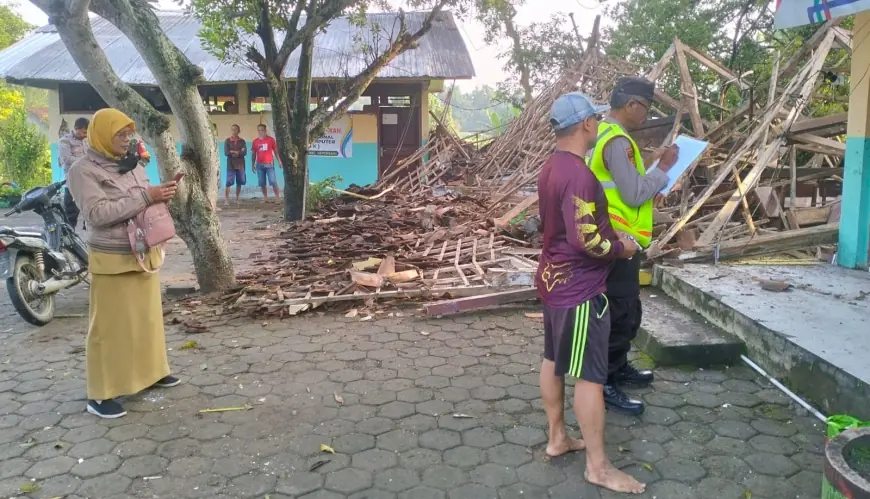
pixel 505 277
pixel 767 244
pixel 449 307
pixel 514 212
pixel 815 215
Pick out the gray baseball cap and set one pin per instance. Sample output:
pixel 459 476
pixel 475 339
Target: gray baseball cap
pixel 572 108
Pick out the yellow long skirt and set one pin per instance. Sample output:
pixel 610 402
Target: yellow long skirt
pixel 126 345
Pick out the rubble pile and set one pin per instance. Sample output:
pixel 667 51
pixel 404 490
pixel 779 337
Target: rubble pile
pixel 379 245
pixel 454 222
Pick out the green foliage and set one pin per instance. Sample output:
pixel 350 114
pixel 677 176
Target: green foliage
pixel 13 27
pixel 520 218
pixel 737 33
pixel 319 193
pixel 479 110
pixel 547 49
pixel 7 190
pixel 24 154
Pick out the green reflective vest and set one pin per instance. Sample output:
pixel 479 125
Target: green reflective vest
pixel 637 222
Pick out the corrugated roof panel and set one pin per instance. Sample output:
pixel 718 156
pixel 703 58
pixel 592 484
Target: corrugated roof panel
pixel 25 49
pixel 338 53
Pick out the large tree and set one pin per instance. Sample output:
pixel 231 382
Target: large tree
pixel 282 27
pixel 498 18
pixel 194 208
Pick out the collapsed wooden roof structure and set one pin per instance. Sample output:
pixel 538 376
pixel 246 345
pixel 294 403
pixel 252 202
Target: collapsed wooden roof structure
pixel 751 165
pixel 448 221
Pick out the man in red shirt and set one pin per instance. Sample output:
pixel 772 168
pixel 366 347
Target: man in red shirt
pixel 579 248
pixel 264 158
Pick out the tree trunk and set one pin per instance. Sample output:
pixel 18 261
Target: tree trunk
pixel 518 56
pixel 194 208
pixel 296 172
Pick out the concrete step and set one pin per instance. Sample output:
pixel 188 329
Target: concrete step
pixel 812 337
pixel 673 335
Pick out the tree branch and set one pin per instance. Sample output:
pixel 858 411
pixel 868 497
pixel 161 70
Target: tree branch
pixel 266 33
pixel 292 27
pixel 350 91
pixel 325 13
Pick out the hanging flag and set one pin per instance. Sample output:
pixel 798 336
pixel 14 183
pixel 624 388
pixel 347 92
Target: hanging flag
pixel 791 13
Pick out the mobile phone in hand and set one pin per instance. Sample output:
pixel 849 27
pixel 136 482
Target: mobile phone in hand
pixel 178 176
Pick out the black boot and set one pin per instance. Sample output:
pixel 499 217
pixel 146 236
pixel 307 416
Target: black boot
pixel 618 401
pixel 629 375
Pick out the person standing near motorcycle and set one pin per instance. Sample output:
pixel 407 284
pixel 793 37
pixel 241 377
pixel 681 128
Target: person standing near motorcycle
pixel 126 344
pixel 71 148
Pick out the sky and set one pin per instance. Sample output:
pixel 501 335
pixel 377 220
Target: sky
pixel 485 57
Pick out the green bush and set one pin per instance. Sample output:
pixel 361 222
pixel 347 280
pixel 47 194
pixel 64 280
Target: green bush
pixel 7 190
pixel 24 154
pixel 319 193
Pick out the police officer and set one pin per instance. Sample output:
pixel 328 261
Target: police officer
pixel 630 190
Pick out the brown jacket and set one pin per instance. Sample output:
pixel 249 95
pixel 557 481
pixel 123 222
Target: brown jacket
pixel 107 200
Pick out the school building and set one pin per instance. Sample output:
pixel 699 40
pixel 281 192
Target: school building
pixel 389 122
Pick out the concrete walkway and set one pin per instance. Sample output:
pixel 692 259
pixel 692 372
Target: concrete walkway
pixel 383 394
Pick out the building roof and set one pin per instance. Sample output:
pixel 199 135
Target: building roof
pixel 441 53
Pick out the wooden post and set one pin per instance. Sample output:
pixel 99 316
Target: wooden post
pixel 687 89
pixel 793 191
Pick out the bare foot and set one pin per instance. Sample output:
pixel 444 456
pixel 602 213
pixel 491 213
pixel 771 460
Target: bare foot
pixel 615 480
pixel 565 446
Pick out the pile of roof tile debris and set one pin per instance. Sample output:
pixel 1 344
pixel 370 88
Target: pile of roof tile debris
pixel 453 223
pixel 380 245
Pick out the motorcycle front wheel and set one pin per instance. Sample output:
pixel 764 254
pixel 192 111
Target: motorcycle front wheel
pixel 35 309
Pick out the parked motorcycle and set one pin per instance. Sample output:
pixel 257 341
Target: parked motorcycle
pixel 39 262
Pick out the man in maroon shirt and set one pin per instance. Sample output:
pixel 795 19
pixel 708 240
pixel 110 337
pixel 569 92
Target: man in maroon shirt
pixel 579 247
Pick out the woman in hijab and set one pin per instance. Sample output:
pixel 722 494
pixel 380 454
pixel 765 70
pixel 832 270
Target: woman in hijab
pixel 126 345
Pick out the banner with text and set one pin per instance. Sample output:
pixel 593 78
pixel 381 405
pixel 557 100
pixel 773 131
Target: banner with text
pixel 337 140
pixel 791 13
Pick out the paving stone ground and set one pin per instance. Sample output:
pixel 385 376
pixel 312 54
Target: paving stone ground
pixel 706 433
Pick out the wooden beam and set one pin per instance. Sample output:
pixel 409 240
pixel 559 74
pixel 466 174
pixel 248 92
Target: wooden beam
pixel 810 125
pixel 804 173
pixel 657 70
pixel 687 89
pixel 825 151
pixel 832 144
pixel 724 172
pixel 450 307
pixel 505 219
pixel 666 99
pixel 808 46
pixel 793 178
pixel 807 78
pixel 708 61
pixel 767 244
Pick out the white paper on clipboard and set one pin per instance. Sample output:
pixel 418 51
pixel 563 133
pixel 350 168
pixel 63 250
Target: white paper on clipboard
pixel 690 152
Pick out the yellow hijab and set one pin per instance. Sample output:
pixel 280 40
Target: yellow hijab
pixel 104 125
